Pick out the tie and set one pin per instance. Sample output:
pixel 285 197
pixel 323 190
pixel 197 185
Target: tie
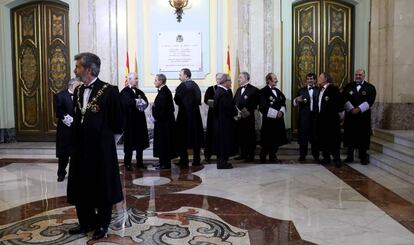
pixel 311 88
pixel 274 88
pixel 158 90
pixel 88 86
pixel 359 83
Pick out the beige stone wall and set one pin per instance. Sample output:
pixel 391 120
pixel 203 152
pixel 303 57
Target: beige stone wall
pixel 391 63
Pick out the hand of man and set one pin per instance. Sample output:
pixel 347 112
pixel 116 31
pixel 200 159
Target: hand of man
pixel 356 110
pixel 299 98
pixel 279 114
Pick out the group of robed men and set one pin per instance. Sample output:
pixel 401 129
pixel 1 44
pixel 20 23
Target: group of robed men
pixel 92 117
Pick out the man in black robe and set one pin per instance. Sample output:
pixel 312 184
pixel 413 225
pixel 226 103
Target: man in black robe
pixel 209 139
pixel 359 96
pixel 247 99
pixel 134 103
pixel 273 108
pixel 189 124
pixel 330 107
pixel 305 100
pixel 94 184
pixel 225 112
pixel 63 106
pixel 164 120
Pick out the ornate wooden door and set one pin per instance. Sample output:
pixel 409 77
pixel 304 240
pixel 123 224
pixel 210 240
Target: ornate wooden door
pixel 322 41
pixel 41 66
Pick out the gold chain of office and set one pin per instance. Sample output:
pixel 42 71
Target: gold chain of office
pixel 91 103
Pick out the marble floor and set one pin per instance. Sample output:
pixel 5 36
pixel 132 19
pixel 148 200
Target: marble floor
pixel 287 203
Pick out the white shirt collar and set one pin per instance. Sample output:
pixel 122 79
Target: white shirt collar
pixel 94 80
pixel 221 86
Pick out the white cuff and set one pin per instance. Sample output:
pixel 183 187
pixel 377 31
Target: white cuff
pixel 283 109
pixel 295 103
pixel 364 107
pixel 348 106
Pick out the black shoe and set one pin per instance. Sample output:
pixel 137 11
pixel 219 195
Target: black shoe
pixel 348 160
pixel 196 163
pixel 165 167
pixel 262 160
pixel 250 159
pixel 274 160
pixel 325 161
pixel 224 166
pixel 78 230
pixel 365 161
pixel 184 166
pixel 99 233
pixel 141 166
pixel 338 163
pixel 60 178
pixel 239 158
pixel 128 167
pixel 301 159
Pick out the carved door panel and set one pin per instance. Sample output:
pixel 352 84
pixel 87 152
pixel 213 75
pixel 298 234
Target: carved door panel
pixel 322 41
pixel 41 66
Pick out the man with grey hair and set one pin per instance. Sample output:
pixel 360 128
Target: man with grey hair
pixel 94 183
pixel 328 118
pixel 134 103
pixel 247 99
pixel 225 112
pixel 63 107
pixel 359 96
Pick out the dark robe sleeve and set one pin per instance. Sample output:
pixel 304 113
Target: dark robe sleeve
pixel 159 110
pixel 58 106
pixel 114 110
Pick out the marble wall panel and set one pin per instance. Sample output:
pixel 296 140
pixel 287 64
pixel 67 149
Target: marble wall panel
pixel 393 116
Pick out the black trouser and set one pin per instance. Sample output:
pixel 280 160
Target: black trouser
pixel 62 164
pixel 335 154
pixel 128 157
pixel 165 161
pixel 362 153
pixel 303 150
pixel 94 217
pixel 268 150
pixel 184 156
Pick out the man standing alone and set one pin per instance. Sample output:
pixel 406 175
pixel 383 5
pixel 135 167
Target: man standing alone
pixel 94 184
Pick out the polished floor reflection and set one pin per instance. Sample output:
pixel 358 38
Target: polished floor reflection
pixel 288 203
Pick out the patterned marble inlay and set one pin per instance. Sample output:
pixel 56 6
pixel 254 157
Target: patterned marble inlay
pixel 151 181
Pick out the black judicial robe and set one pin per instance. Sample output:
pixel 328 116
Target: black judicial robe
pixel 357 128
pixel 163 113
pixel 189 125
pixel 135 121
pixel 209 95
pixel 63 105
pixel 225 132
pixel 306 117
pixel 94 172
pixel 328 133
pixel 273 132
pixel 250 100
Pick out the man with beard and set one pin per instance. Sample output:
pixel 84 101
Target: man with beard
pixel 225 112
pixel 328 119
pixel 359 96
pixel 163 117
pixel 189 126
pixel 134 103
pixel 273 108
pixel 246 99
pixel 94 184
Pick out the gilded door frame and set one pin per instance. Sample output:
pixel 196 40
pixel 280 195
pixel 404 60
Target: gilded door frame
pixel 44 133
pixel 322 45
